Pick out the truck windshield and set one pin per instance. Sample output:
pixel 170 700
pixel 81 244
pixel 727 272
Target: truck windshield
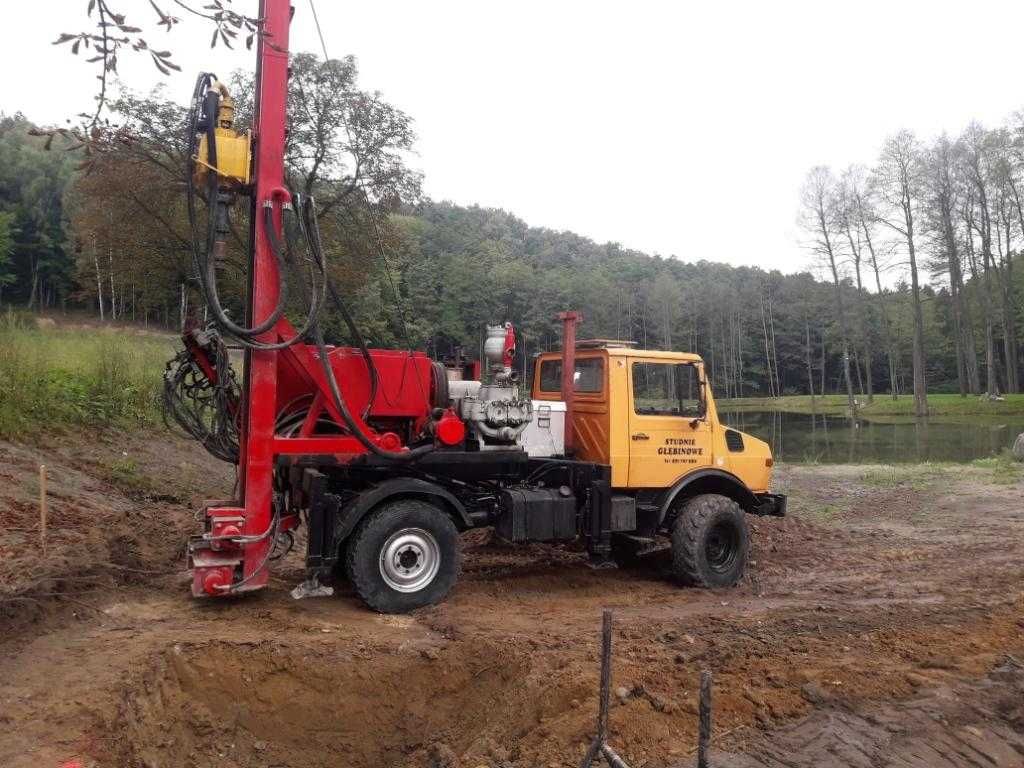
pixel 589 375
pixel 667 389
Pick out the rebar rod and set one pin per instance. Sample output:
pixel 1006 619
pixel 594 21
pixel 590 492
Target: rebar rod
pixel 606 675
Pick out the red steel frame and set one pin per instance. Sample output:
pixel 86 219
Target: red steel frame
pixel 251 515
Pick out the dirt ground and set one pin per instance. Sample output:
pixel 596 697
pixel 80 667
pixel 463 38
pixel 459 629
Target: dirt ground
pixel 882 623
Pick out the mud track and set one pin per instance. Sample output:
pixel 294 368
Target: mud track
pixel 882 623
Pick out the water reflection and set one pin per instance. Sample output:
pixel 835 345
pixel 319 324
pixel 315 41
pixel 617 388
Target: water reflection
pixel 804 437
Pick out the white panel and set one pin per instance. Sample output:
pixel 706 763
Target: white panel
pixel 545 435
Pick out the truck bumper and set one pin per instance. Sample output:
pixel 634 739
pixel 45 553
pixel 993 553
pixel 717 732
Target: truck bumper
pixel 771 504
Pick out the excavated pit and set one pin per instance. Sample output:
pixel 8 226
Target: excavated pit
pixel 220 704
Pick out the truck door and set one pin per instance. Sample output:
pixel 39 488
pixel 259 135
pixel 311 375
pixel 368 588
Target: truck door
pixel 668 432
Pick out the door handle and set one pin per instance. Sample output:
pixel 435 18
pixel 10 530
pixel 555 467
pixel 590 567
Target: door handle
pixel 641 436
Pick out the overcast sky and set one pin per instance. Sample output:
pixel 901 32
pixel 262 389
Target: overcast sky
pixel 677 128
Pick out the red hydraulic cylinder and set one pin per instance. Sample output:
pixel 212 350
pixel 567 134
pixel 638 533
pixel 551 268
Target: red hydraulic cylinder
pixel 569 321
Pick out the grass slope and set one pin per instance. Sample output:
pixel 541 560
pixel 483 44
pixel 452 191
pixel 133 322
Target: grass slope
pixel 72 377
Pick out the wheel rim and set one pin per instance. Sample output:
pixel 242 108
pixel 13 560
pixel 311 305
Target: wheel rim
pixel 722 547
pixel 410 559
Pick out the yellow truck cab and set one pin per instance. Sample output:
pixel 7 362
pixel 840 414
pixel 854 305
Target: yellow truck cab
pixel 650 416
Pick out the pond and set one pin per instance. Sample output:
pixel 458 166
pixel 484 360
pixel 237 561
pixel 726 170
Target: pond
pixel 832 439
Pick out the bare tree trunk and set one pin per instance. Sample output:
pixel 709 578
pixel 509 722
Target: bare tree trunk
pixel 970 346
pixel 856 370
pixel 775 348
pixel 183 308
pixel 810 370
pixel 920 385
pixel 1009 328
pixel 843 332
pixel 906 204
pixel 113 291
pixel 711 346
pixel 739 356
pixel 956 293
pixel 991 379
pixel 99 284
pixel 890 351
pixel 34 289
pixel 821 333
pixel 983 225
pixel 856 250
pixel 767 351
pixel 1011 301
pixel 988 264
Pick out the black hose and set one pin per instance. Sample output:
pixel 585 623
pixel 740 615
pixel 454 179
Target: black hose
pixel 313 232
pixel 316 246
pixel 201 408
pixel 317 295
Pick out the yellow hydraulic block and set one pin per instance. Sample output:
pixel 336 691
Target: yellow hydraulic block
pixel 234 150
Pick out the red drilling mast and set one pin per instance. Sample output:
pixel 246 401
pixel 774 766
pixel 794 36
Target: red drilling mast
pixel 233 554
pixel 260 396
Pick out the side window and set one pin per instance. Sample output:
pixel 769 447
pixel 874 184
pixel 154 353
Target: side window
pixel 667 389
pixel 589 375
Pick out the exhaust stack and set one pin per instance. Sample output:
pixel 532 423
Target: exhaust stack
pixel 569 322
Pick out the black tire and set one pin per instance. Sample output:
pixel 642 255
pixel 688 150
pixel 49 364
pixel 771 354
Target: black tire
pixel 710 542
pixel 416 533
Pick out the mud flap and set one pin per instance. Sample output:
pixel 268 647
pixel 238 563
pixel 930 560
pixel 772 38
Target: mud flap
pixel 599 509
pixel 770 505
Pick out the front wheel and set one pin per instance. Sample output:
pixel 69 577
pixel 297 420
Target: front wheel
pixel 403 555
pixel 710 542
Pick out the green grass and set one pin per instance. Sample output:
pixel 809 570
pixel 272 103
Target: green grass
pixel 916 476
pixel 1005 469
pixel 1002 469
pixel 92 377
pixel 883 405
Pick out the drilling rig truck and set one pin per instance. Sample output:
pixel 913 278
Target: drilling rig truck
pixel 387 456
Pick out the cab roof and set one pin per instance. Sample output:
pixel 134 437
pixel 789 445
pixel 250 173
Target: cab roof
pixel 615 350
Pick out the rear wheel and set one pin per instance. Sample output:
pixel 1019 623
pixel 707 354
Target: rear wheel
pixel 403 555
pixel 710 542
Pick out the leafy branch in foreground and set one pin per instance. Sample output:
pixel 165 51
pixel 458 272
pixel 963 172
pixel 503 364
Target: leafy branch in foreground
pixel 112 35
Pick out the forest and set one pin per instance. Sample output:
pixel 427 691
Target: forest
pixel 907 283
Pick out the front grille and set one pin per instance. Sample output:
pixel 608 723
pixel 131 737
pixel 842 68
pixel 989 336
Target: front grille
pixel 734 440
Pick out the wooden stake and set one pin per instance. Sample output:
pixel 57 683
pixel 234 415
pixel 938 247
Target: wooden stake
pixel 704 724
pixel 42 507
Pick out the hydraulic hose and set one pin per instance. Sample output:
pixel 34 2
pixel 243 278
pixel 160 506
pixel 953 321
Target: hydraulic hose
pixel 346 415
pixel 318 293
pixel 312 231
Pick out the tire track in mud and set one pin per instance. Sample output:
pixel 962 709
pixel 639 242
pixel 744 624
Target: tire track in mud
pixel 967 725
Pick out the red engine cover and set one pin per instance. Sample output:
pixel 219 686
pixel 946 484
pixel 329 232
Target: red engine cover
pixel 403 383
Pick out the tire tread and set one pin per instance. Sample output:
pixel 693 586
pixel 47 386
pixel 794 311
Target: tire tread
pixel 687 539
pixel 378 522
